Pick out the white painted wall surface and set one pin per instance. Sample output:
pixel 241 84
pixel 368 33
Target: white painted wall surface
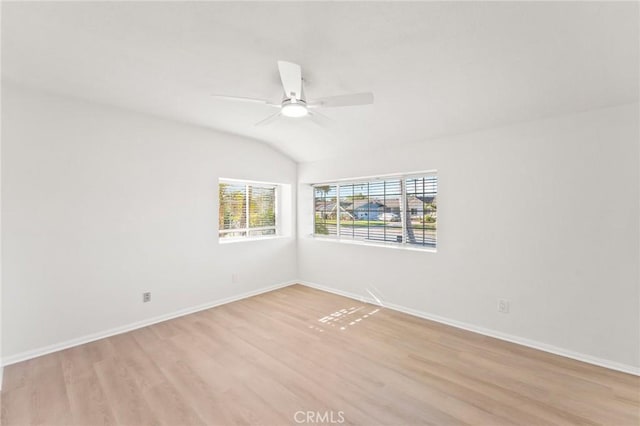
pixel 101 204
pixel 544 214
pixel 1 365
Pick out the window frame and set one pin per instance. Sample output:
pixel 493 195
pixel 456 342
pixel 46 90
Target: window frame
pixel 247 229
pixel 404 244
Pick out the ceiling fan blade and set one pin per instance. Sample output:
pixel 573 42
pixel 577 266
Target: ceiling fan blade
pixel 291 76
pixel 343 100
pixel 243 99
pixel 270 119
pixel 320 119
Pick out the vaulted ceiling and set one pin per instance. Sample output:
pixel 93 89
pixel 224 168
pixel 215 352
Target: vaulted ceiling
pixel 435 68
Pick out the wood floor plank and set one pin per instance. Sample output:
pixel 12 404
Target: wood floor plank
pixel 298 351
pixel 47 379
pixel 88 402
pixel 138 362
pixel 16 408
pixel 126 400
pixel 170 406
pixel 205 397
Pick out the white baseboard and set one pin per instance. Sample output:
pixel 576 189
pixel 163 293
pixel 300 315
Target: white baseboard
pixel 613 365
pixel 23 356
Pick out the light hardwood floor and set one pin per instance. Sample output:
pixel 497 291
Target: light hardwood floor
pixel 264 359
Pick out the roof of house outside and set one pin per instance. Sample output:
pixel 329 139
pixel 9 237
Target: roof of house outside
pixel 415 202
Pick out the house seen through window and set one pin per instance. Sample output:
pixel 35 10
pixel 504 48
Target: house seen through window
pixel 401 210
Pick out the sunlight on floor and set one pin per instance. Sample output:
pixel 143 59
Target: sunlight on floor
pixel 344 318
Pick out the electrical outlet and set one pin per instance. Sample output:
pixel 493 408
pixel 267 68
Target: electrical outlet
pixel 235 278
pixel 503 306
pixel 146 297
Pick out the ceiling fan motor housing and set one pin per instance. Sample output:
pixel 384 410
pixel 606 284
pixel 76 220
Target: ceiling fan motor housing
pixel 294 108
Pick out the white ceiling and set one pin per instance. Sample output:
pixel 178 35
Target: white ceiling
pixel 435 68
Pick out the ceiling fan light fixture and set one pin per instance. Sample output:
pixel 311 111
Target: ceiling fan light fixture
pixel 294 109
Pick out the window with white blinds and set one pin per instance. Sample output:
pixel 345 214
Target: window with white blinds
pixel 246 210
pixel 398 210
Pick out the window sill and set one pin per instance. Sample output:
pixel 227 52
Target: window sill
pixel 393 246
pixel 248 239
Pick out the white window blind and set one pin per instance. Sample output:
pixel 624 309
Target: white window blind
pixel 246 210
pixel 399 210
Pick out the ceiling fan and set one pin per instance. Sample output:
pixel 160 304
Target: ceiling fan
pixel 294 103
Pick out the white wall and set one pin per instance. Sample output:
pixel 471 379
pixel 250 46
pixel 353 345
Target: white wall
pixel 544 214
pixel 1 366
pixel 100 204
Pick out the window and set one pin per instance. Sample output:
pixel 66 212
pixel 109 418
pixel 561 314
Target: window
pixel 399 210
pixel 246 210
